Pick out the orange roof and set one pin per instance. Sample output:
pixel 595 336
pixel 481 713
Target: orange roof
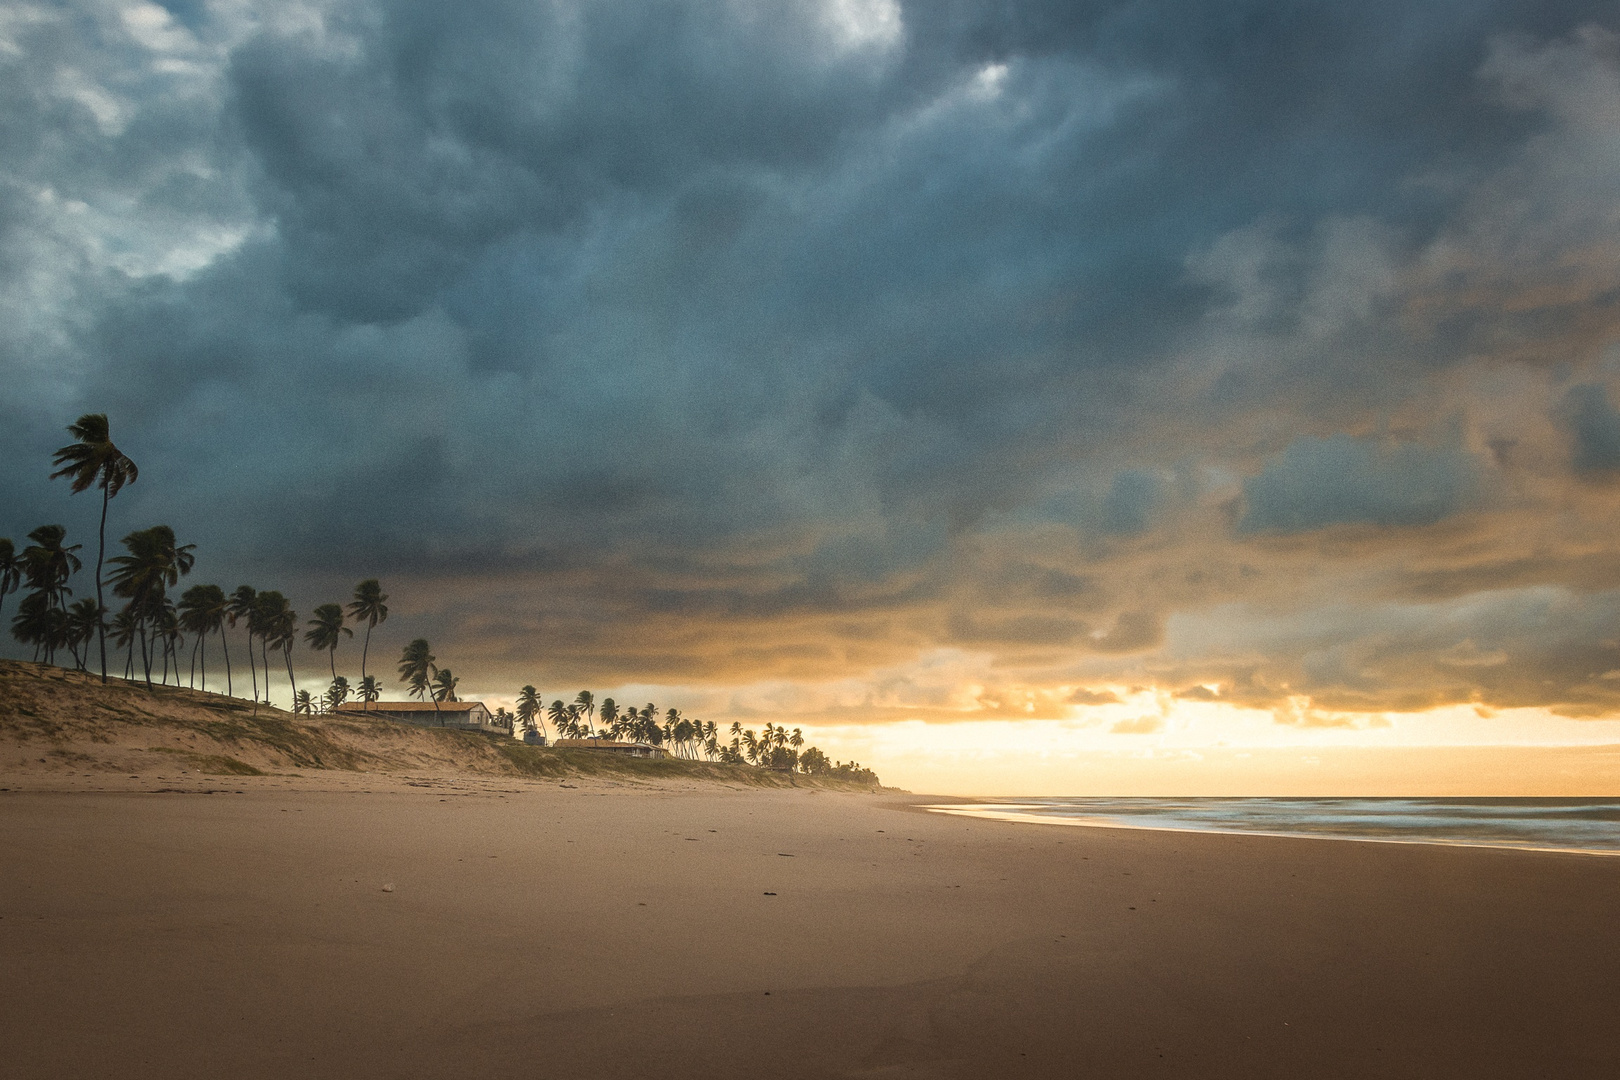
pixel 411 706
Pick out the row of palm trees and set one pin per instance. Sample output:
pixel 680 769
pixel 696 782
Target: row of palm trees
pixel 155 627
pixel 583 718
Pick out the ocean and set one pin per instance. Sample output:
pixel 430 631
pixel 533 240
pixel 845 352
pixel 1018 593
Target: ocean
pixel 1590 826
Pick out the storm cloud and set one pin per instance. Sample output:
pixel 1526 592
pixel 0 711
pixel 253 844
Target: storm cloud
pixel 706 342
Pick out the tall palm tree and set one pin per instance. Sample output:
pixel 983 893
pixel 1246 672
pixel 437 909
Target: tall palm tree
pixel 11 569
pixel 416 672
pixel 93 459
pixel 528 707
pixel 370 607
pixel 444 685
pixel 243 604
pixel 326 629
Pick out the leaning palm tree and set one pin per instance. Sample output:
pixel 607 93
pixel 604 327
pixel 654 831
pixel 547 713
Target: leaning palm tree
pixel 528 707
pixel 302 705
pixel 562 718
pixel 416 671
pixel 326 630
pixel 337 693
pixel 369 689
pixel 93 459
pixel 444 685
pixel 243 605
pixel 370 607
pixel 11 569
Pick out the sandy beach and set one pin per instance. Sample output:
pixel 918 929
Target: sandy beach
pixel 367 926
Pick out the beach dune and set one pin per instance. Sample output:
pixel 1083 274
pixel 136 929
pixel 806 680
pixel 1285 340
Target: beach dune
pixel 375 927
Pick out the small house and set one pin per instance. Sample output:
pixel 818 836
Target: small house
pixel 612 746
pixel 466 715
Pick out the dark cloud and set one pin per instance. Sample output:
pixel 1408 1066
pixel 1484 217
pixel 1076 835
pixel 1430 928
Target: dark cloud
pixel 1594 428
pixel 1343 480
pixel 726 341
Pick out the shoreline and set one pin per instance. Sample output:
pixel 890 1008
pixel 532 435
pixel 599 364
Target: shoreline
pixel 988 814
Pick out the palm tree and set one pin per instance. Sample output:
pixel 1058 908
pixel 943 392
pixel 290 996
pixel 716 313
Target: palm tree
pixel 610 718
pixel 528 707
pixel 47 564
pixel 203 609
pixel 278 626
pixel 337 693
pixel 80 626
pixel 587 704
pixel 301 703
pixel 39 624
pixel 444 686
pixel 369 689
pixel 416 672
pixel 95 460
pixel 326 629
pixel 562 719
pixel 155 562
pixel 166 635
pixel 11 569
pixel 125 631
pixel 370 607
pixel 243 604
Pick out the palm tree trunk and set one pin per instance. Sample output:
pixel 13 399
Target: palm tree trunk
pixel 225 643
pixel 331 658
pixel 146 657
pixel 253 670
pixel 286 651
pixel 101 608
pixel 193 675
pixel 264 662
pixel 365 649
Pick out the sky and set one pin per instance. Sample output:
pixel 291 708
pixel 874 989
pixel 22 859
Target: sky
pixel 1021 397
